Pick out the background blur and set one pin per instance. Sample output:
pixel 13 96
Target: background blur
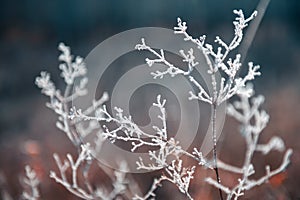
pixel 30 31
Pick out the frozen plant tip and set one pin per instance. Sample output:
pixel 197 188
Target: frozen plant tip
pixel 58 101
pixel 32 182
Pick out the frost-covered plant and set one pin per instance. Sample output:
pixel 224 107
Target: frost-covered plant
pixel 217 60
pixel 229 86
pixel 246 110
pixel 31 181
pixel 30 185
pixel 128 131
pixel 119 183
pixel 165 152
pixel 77 129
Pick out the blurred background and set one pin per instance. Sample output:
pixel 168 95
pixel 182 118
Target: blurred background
pixel 30 31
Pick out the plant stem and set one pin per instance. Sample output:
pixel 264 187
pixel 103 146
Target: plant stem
pixel 214 131
pixel 72 134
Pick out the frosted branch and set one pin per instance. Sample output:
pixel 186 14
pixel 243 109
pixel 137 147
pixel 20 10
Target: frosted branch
pixel 32 182
pixel 119 184
pixel 276 143
pixel 253 121
pixel 59 102
pixel 171 69
pixel 73 165
pixel 202 95
pixel 70 70
pixel 218 185
pixel 80 123
pixel 131 132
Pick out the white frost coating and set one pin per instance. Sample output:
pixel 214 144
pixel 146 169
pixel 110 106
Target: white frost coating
pixel 76 129
pixel 119 183
pixel 32 182
pixel 244 111
pixel 216 60
pixel 72 122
